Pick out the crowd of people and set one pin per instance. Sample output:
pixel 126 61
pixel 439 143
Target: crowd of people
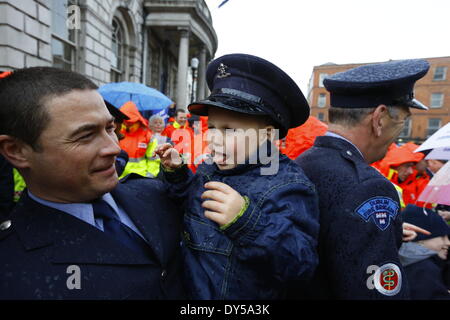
pixel 224 200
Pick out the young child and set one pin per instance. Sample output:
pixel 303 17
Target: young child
pixel 251 216
pixel 424 258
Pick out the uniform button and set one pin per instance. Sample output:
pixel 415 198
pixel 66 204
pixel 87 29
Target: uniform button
pixel 5 225
pixel 349 153
pixel 163 275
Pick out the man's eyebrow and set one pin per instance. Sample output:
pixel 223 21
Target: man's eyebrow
pixel 88 127
pixel 84 128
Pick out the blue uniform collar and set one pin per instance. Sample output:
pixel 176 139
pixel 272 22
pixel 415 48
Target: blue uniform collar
pixel 332 134
pixel 346 148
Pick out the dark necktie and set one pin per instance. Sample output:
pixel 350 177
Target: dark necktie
pixel 119 231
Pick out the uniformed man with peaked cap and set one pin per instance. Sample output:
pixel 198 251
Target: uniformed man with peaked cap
pixel 361 228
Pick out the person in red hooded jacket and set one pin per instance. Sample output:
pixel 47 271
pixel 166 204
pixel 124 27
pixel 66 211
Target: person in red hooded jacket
pixel 401 163
pixel 181 134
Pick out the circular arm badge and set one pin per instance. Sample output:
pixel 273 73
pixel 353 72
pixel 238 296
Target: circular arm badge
pixel 388 279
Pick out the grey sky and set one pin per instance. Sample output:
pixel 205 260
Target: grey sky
pixel 299 34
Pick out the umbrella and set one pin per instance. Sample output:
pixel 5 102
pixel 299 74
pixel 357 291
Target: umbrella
pixel 439 154
pixel 439 142
pixel 148 100
pixel 438 189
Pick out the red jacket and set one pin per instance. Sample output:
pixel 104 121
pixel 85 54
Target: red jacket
pixel 301 138
pixel 414 183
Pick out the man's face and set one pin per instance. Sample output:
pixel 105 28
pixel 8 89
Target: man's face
pixel 76 161
pixel 434 165
pixel 232 136
pixel 405 170
pixel 181 118
pixel 394 126
pixel 421 165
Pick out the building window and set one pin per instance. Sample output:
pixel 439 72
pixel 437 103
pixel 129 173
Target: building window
pixel 117 50
pixel 321 100
pixel 439 73
pixel 155 65
pixel 433 126
pixel 321 77
pixel 437 100
pixel 406 132
pixel 63 40
pixel 321 116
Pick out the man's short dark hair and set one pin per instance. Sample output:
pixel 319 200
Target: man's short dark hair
pixel 23 95
pixel 180 111
pixel 348 117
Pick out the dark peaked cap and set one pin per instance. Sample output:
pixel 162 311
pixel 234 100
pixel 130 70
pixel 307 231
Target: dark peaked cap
pixel 116 113
pixel 389 83
pixel 249 84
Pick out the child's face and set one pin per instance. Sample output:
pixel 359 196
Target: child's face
pixel 234 136
pixel 438 244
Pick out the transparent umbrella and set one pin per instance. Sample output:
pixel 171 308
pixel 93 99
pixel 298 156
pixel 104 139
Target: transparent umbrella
pixel 438 189
pixel 438 143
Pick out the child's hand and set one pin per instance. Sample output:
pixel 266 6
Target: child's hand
pixel 170 157
pixel 410 231
pixel 223 204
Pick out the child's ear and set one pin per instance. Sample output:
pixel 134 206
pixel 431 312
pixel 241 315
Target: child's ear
pixel 14 150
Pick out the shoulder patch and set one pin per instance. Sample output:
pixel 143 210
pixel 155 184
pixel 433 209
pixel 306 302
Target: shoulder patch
pixel 380 210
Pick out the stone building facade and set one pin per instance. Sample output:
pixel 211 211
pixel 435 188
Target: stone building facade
pixel 147 41
pixel 433 90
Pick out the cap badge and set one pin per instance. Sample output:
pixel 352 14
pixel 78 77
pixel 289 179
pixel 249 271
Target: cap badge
pixel 222 69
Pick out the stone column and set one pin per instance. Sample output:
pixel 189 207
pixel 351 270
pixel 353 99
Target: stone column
pixel 183 56
pixel 201 79
pixel 207 92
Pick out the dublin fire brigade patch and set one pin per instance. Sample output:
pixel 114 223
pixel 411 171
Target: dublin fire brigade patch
pixel 381 210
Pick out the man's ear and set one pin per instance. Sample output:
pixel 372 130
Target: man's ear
pixel 270 133
pixel 379 119
pixel 14 150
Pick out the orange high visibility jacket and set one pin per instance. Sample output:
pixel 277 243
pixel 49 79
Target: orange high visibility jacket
pixel 136 132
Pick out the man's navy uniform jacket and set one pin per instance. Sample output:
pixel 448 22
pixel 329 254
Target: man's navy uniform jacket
pixel 6 187
pixel 360 225
pixel 44 250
